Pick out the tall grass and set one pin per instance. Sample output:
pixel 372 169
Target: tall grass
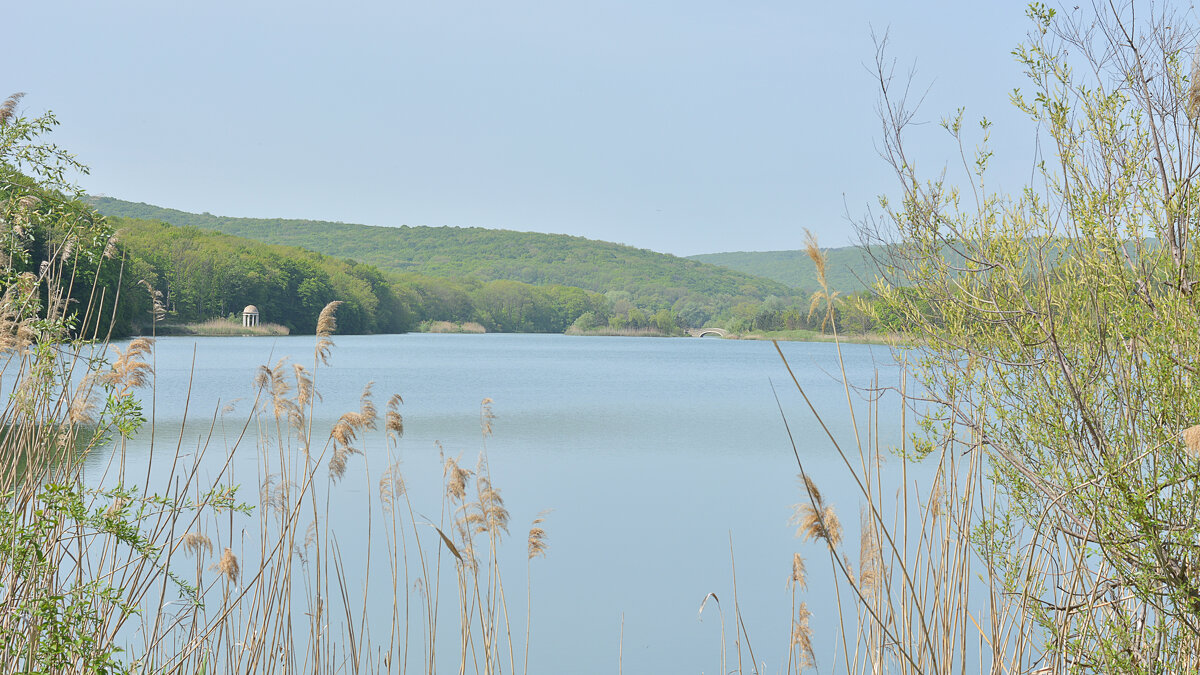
pixel 919 595
pixel 221 326
pixel 104 569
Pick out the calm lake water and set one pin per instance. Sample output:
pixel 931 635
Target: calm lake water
pixel 652 453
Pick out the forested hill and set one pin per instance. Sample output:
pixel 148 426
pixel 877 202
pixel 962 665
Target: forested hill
pixel 848 270
pixel 654 280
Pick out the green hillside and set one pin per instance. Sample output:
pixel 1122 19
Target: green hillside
pixel 694 290
pixel 849 270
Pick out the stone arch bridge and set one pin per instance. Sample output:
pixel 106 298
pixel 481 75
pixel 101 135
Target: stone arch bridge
pixel 701 332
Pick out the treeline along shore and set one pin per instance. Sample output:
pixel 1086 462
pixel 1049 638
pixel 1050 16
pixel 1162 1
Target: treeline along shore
pixel 500 280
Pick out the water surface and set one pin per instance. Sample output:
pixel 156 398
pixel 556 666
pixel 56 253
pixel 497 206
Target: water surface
pixel 653 453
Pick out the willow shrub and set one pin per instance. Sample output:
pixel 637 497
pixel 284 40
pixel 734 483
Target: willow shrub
pixel 1061 331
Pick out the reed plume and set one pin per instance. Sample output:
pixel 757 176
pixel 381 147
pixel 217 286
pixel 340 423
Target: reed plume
pixel 366 411
pixel 813 493
pixel 326 324
pixel 813 518
pixel 936 497
pixel 9 107
pixel 869 561
pixel 1191 441
pixel 337 463
pixel 456 479
pixel 344 432
pixel 196 543
pixel 799 576
pixel 817 523
pixel 486 417
pixel 802 637
pixel 391 484
pixel 824 295
pixel 17 313
pixel 491 507
pixel 304 385
pixel 393 422
pixel 129 371
pixel 537 538
pixel 228 565
pixel 813 251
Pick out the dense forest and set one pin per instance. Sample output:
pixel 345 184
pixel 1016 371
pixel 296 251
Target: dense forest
pixel 202 274
pixel 694 291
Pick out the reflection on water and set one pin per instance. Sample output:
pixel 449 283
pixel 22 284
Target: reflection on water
pixel 654 455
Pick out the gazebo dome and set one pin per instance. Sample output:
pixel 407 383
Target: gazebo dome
pixel 250 316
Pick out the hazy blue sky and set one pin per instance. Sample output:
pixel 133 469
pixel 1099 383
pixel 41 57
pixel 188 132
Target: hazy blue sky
pixel 686 127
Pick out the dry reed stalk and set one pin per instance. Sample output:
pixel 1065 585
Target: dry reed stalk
pixel 915 605
pixel 260 624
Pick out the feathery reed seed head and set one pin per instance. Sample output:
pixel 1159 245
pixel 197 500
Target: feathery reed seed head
pixel 869 562
pixel 196 543
pixel 393 422
pixel 811 487
pixel 456 479
pixel 813 524
pixel 537 538
pixel 1191 441
pixel 367 413
pixel 9 107
pixel 799 572
pixel 486 417
pixel 802 636
pixel 814 253
pixel 391 484
pixel 228 565
pixel 326 324
pixel 304 385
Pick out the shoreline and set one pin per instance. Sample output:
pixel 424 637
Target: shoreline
pixel 213 329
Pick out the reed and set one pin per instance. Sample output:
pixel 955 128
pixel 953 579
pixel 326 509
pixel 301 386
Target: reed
pixel 925 598
pixel 116 572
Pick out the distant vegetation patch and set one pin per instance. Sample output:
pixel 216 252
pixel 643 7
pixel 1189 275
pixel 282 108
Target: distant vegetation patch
pixel 451 327
pixel 214 327
pixel 626 332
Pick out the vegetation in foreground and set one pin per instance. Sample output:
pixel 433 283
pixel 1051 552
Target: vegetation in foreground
pixel 1058 390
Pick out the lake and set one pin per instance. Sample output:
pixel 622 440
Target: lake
pixel 652 453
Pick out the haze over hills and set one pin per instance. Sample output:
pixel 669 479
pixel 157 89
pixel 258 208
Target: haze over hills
pixel 848 270
pixel 654 280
